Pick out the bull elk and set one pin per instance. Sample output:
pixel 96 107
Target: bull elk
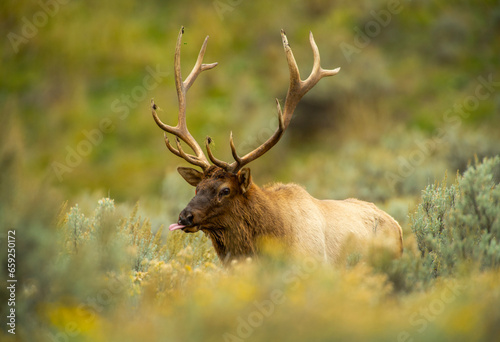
pixel 236 214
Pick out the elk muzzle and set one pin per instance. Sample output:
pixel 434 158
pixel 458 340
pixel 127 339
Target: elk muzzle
pixel 185 222
pixel 186 217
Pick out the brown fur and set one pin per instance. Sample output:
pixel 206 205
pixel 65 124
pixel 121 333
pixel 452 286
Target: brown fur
pixel 286 212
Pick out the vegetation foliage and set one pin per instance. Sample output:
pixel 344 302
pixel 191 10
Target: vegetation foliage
pixel 461 223
pixel 404 111
pixel 107 277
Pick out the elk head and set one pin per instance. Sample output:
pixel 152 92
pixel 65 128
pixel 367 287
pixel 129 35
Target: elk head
pixel 223 189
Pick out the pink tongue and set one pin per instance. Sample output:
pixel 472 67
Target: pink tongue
pixel 175 226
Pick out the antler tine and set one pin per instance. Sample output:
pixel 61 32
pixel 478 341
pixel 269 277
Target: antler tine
pixel 214 160
pixel 259 151
pixel 180 130
pixel 198 67
pixel 180 153
pixel 236 157
pixel 241 161
pixel 296 90
pixel 170 147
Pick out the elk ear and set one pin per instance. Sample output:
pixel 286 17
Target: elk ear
pixel 191 176
pixel 244 179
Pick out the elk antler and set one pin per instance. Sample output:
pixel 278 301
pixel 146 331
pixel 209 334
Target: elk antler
pixel 180 130
pixel 296 90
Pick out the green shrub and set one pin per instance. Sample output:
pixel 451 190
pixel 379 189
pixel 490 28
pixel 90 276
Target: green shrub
pixel 459 225
pixel 105 231
pixel 130 240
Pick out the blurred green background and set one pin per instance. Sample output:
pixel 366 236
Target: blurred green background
pixel 404 67
pixel 418 96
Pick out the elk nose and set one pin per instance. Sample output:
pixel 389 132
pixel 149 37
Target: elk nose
pixel 186 218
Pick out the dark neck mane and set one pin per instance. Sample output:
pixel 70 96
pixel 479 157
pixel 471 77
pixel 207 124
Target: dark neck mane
pixel 253 218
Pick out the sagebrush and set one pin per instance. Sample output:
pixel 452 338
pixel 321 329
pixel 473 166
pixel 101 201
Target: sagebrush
pixel 459 224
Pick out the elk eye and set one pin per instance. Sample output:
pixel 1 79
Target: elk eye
pixel 224 192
